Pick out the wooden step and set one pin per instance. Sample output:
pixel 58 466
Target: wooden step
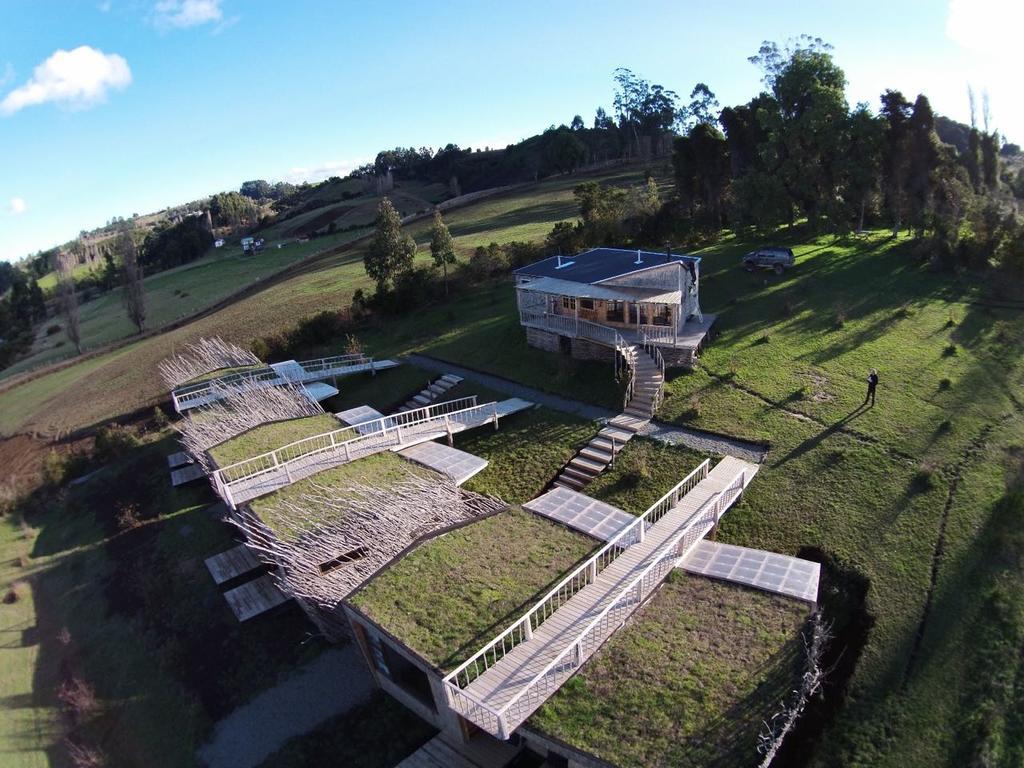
pixel 598 453
pixel 637 412
pixel 629 423
pixel 586 465
pixel 577 476
pixel 620 435
pixel 421 399
pixel 451 378
pixel 570 482
pixel 605 444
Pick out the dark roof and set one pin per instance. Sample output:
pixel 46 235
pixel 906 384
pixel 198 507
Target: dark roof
pixel 599 264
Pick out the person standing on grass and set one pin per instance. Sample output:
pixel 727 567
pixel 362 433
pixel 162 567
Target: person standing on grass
pixel 872 383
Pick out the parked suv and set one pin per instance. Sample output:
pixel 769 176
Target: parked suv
pixel 776 259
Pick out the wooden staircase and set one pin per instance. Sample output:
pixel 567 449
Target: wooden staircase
pixel 594 457
pixel 432 391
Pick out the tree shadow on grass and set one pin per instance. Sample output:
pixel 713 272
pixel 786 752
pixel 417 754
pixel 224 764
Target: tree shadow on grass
pixel 813 442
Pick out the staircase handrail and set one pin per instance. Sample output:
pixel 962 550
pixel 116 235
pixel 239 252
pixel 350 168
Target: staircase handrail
pixel 268 372
pixel 589 568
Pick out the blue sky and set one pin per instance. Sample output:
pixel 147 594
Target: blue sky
pixel 114 107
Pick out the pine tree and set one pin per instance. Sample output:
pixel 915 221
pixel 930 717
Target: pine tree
pixel 132 286
pixel 442 247
pixel 390 253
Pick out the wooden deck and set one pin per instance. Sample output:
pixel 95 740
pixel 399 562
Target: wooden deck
pixel 231 564
pixel 460 466
pixel 580 512
pixel 768 571
pixel 186 474
pixel 254 597
pixel 523 680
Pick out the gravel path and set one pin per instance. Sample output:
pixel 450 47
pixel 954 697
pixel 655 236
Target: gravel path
pixel 331 684
pixel 656 430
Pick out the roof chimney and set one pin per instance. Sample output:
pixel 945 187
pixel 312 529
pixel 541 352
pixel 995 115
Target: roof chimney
pixel 559 261
pixel 638 259
pixel 668 253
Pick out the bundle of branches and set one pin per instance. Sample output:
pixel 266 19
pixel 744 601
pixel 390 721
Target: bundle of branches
pixel 201 357
pixel 329 540
pixel 239 409
pixel 774 730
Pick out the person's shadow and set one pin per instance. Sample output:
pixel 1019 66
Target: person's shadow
pixel 813 442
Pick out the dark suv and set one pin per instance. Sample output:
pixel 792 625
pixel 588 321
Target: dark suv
pixel 776 259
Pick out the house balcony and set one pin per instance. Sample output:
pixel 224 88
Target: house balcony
pixel 689 337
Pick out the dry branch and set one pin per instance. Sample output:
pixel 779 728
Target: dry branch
pixel 238 409
pixel 330 540
pixel 776 728
pixel 201 357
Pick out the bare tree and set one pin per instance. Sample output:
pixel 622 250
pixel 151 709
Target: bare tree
pixel 133 291
pixel 201 357
pixel 69 301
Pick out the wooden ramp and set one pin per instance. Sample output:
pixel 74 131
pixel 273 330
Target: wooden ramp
pixel 254 597
pixel 231 564
pixel 186 474
pixel 498 688
pixel 460 466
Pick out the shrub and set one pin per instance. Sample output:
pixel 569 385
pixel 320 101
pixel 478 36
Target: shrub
pixel 114 441
pixel 924 478
pixel 788 308
pixel 127 517
pixel 950 350
pixel 160 420
pixel 84 756
pixel 945 384
pixel 840 319
pixel 352 345
pixel 945 426
pixel 734 367
pixel 15 592
pixel 951 321
pixel 78 697
pixel 54 468
pixel 359 304
pixel 903 312
pixel 764 338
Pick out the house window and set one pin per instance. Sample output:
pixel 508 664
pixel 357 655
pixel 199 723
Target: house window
pixel 345 557
pixel 569 302
pixel 663 316
pixel 586 303
pixel 615 312
pixel 633 317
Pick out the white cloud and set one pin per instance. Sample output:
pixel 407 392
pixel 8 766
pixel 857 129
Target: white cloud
pixel 75 79
pixel 322 171
pixel 18 206
pixel 187 13
pixel 990 28
pixel 8 75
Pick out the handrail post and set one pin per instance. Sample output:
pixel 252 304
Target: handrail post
pixel 495 415
pixel 528 629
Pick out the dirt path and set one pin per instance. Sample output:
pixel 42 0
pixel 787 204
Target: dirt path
pixel 333 683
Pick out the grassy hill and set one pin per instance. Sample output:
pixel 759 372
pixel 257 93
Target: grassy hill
pixel 913 496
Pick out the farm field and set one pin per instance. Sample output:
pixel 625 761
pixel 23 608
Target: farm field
pixel 910 496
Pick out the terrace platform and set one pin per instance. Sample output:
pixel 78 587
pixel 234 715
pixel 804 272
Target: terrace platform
pixel 178 459
pixel 232 563
pixel 581 513
pixel 187 474
pixel 254 598
pixel 359 415
pixel 460 466
pixel 768 571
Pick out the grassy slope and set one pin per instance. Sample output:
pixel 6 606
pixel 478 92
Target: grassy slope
pixel 851 482
pixel 123 380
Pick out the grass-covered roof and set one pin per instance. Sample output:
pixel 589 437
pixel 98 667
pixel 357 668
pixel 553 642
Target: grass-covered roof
pixel 688 682
pixel 268 437
pixel 453 593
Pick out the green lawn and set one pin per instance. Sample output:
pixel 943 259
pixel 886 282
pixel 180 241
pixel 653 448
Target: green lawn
pixel 666 690
pixel 277 434
pixel 454 592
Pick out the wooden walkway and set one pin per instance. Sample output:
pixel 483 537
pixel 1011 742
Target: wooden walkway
pixel 244 489
pixel 524 678
pixel 254 597
pixel 231 564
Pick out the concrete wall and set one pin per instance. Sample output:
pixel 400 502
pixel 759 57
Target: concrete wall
pixel 581 349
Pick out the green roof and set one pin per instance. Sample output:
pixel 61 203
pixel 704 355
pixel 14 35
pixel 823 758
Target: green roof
pixel 454 592
pixel 381 470
pixel 268 437
pixel 688 682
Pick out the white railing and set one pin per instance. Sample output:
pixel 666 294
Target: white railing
pixel 662 333
pixel 652 349
pixel 349 443
pixel 197 394
pixel 503 720
pixel 586 573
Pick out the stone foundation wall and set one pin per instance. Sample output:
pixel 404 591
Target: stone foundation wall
pixel 584 349
pixel 542 339
pixel 678 358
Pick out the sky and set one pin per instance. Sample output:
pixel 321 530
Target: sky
pixel 115 107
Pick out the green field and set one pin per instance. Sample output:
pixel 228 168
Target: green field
pixel 912 495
